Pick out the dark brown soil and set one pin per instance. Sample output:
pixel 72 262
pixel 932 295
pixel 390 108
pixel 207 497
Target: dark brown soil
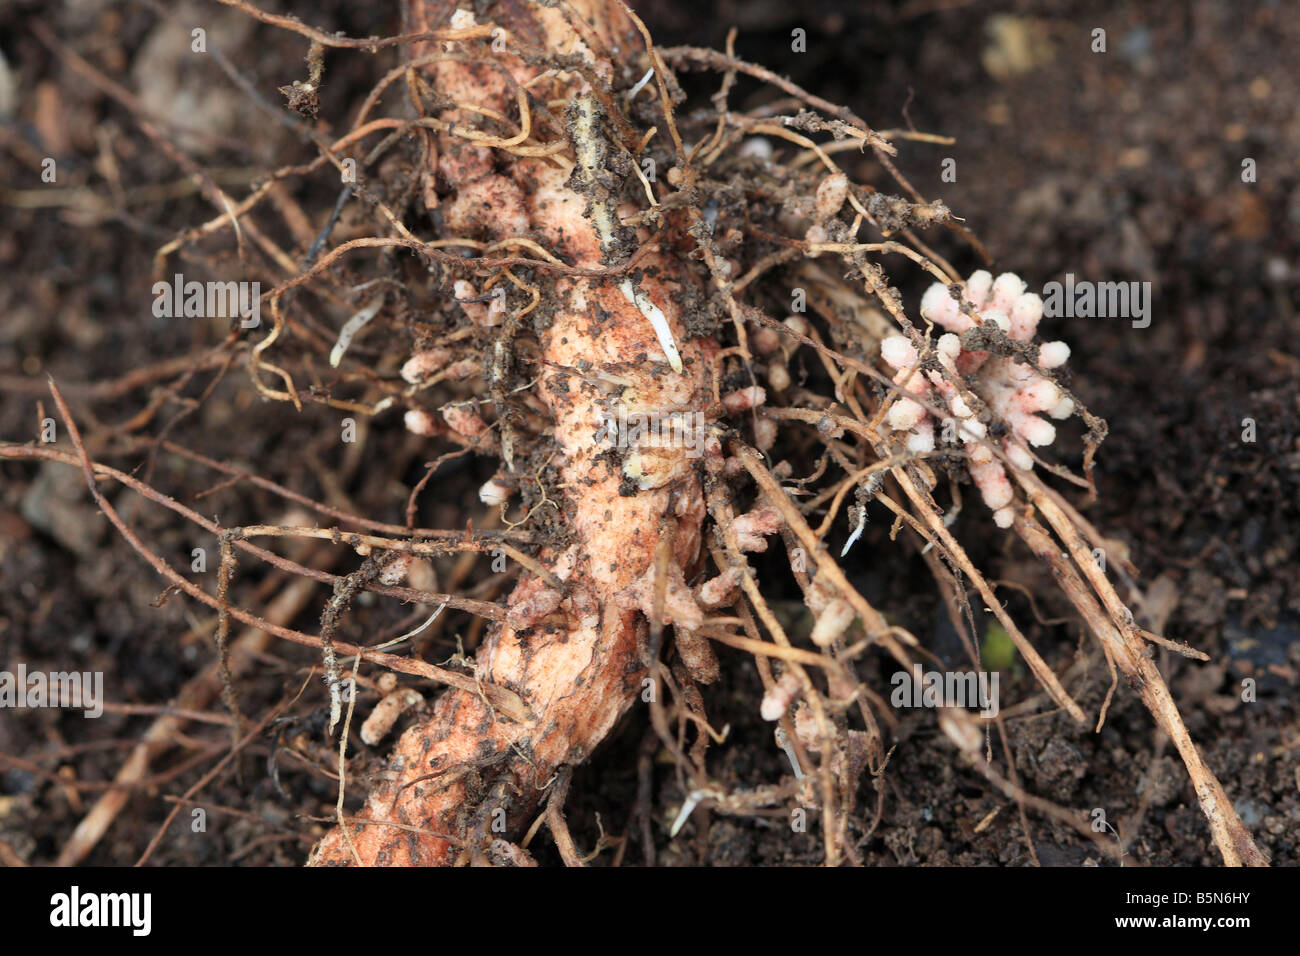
pixel 1123 165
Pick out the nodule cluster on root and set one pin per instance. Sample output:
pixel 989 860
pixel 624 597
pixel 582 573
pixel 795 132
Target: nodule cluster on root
pixel 1010 388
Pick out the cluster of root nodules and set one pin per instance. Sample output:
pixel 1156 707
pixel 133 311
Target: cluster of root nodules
pixel 833 393
pixel 1008 385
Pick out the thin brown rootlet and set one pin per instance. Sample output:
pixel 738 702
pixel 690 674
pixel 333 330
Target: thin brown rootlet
pixel 729 230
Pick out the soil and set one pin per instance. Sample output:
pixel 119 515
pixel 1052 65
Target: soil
pixel 1122 165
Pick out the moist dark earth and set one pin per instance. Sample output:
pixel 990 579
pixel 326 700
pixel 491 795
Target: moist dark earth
pixel 1124 165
